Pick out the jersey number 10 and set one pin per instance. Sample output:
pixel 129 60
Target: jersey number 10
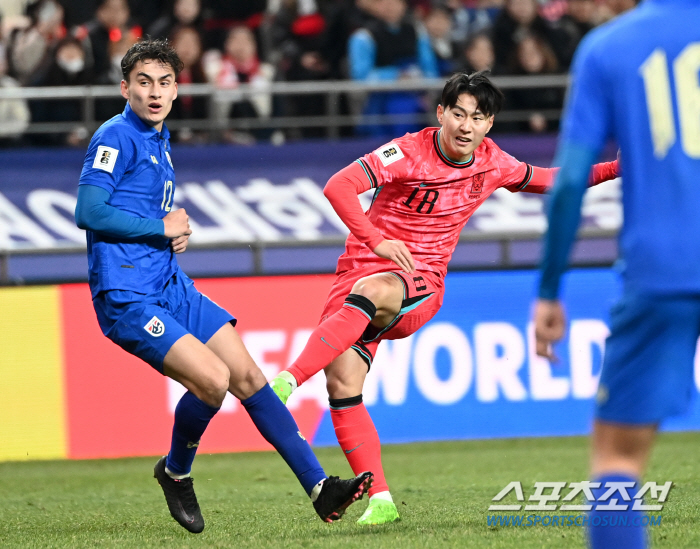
pixel 657 85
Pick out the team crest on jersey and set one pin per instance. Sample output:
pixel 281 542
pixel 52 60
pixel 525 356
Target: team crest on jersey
pixel 477 183
pixel 155 327
pixel 167 155
pixel 106 158
pixel 389 153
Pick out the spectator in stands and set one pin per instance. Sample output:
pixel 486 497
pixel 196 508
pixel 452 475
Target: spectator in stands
pixel 613 8
pixel 14 113
pixel 240 64
pixel 116 49
pixel 520 17
pixel 472 17
pixel 183 13
pixel 533 56
pixel 224 15
pixel 439 26
pixel 110 25
pixel 307 51
pixel 143 12
pixel 67 67
pixel 391 48
pixel 581 16
pixel 478 54
pixel 187 42
pixel 29 47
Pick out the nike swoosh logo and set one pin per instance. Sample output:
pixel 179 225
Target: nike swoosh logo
pixel 355 448
pixel 331 346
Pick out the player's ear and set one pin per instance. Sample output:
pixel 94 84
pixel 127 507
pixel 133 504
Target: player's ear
pixel 490 121
pixel 124 88
pixel 440 114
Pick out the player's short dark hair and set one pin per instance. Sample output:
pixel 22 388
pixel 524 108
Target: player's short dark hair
pixel 151 50
pixel 488 97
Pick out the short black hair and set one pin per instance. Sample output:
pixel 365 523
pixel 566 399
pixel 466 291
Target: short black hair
pixel 488 97
pixel 151 50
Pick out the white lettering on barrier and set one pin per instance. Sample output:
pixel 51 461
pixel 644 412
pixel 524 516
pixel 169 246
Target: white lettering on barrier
pixel 45 203
pixel 443 335
pixel 280 205
pixel 697 365
pixel 313 194
pixel 543 385
pixel 390 371
pixel 584 335
pixel 500 354
pixel 15 223
pixel 234 219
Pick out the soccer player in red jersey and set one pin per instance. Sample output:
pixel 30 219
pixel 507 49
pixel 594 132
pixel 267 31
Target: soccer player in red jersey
pixel 391 277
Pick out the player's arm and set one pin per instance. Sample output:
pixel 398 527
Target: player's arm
pixel 341 191
pixel 542 179
pixel 93 213
pixel 564 216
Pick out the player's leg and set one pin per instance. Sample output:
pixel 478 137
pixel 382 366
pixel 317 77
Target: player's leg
pixel 142 326
pixel 646 377
pixel 330 495
pixel 356 432
pixel 373 299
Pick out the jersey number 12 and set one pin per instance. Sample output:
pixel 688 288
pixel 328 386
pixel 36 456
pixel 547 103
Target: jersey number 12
pixel 657 86
pixel 167 203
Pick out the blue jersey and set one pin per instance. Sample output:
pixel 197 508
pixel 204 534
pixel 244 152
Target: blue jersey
pixel 131 161
pixel 635 80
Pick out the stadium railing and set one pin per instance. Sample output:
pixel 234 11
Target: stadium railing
pixel 332 120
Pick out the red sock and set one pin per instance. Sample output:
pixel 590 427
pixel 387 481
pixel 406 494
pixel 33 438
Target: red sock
pixel 333 337
pixel 360 443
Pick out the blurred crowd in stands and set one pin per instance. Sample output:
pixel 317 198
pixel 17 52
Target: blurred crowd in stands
pixel 229 42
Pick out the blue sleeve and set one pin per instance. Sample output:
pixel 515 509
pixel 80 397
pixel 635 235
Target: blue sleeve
pixel 362 53
pixel 588 114
pixel 107 159
pixel 93 213
pixel 564 213
pixel 427 59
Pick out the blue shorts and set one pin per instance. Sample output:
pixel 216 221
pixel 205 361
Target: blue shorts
pixel 147 325
pixel 647 372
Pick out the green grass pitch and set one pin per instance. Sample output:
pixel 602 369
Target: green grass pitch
pixel 252 500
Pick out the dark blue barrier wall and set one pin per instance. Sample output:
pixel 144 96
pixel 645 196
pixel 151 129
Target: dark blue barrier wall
pixel 235 193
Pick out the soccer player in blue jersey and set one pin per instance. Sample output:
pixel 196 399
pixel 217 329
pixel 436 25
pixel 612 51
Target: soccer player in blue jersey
pixel 150 308
pixel 635 79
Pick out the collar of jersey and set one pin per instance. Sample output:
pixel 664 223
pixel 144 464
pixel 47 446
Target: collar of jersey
pixel 443 156
pixel 143 128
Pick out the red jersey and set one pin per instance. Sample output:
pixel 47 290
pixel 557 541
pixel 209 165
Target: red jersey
pixel 424 199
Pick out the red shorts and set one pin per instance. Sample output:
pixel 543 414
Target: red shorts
pixel 422 298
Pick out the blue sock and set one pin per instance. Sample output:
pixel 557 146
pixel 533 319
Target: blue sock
pixel 616 529
pixel 277 425
pixel 191 419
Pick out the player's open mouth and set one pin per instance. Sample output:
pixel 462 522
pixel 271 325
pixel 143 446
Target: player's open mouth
pixel 154 107
pixel 463 140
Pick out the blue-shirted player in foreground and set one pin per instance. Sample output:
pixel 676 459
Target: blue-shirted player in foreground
pixel 635 80
pixel 150 308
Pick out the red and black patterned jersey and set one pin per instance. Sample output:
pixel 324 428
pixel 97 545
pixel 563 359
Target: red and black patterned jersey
pixel 423 198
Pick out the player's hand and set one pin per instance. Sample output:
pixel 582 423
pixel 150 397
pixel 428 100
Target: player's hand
pixel 179 244
pixel 550 322
pixel 176 223
pixel 396 251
